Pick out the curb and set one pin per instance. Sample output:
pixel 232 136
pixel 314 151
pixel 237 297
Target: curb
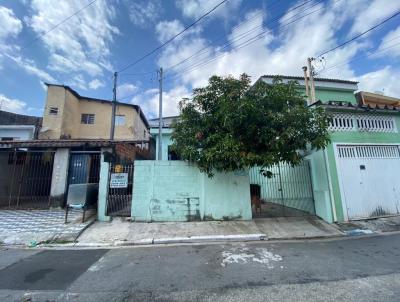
pixel 193 239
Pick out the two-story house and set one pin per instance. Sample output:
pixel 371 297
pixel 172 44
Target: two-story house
pixel 68 115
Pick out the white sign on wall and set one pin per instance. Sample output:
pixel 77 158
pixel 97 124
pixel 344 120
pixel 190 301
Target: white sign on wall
pixel 119 180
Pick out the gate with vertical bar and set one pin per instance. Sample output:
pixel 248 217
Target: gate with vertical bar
pixel 288 192
pixel 25 179
pixel 119 199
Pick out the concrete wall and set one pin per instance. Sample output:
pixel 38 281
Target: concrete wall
pixel 178 191
pixel 52 124
pixel 59 176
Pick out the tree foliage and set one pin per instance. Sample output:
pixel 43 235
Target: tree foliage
pixel 230 125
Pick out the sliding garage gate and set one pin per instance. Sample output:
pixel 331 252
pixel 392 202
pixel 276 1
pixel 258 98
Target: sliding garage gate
pixel 369 177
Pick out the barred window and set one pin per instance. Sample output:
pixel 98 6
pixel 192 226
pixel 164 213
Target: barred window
pixel 87 118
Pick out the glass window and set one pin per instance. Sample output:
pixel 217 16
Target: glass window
pixel 87 118
pixel 53 110
pixel 120 120
pixel 172 155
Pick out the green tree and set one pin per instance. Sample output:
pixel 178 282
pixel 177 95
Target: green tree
pixel 230 125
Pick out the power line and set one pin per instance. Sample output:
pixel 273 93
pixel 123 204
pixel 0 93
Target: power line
pixel 361 57
pixel 57 25
pixel 173 38
pixel 242 35
pixel 247 42
pixel 359 35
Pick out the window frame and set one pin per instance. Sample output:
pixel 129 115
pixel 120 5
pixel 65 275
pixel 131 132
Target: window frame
pixel 53 110
pixel 88 118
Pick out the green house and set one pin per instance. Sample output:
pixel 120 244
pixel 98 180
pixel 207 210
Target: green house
pixel 357 176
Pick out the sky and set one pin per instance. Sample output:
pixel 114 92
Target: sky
pixel 256 37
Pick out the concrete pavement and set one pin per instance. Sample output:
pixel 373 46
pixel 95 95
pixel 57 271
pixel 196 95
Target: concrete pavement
pixel 362 269
pixel 121 232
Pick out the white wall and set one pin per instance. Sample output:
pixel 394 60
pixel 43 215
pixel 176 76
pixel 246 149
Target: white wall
pixel 17 132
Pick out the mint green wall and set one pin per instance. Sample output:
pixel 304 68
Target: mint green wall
pixel 333 94
pixel 320 181
pixel 178 191
pixel 166 141
pixel 326 95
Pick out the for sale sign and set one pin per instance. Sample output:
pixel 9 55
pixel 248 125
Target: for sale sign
pixel 119 180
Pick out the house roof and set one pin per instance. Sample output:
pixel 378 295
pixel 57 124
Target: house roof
pixel 78 96
pixel 62 143
pixel 316 79
pixel 10 118
pixel 349 106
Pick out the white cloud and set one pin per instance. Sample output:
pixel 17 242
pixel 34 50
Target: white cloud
pixel 96 84
pixel 30 67
pixel 10 25
pixel 385 80
pixel 196 8
pixel 371 13
pixel 390 44
pixel 149 101
pixel 144 13
pixel 167 29
pixel 78 81
pixel 11 105
pixel 126 89
pixel 80 45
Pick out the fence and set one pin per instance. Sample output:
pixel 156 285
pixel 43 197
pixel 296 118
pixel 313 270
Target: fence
pixel 25 180
pixel 119 199
pixel 289 186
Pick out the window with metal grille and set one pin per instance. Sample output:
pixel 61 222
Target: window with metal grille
pixel 87 118
pixel 375 123
pixel 53 110
pixel 362 122
pixel 341 122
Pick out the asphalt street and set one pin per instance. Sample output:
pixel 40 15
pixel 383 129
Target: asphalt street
pixel 363 269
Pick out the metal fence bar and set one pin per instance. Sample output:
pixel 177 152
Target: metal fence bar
pixel 26 178
pixel 119 200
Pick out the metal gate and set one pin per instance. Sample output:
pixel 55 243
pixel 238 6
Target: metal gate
pixel 288 192
pixel 119 201
pixel 84 168
pixel 25 179
pixel 369 180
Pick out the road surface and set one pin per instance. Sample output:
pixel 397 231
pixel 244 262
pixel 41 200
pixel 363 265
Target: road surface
pixel 363 269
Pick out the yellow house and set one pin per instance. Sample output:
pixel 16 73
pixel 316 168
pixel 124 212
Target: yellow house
pixel 68 115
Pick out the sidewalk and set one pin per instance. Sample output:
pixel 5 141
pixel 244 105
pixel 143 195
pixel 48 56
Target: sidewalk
pixel 30 228
pixel 120 232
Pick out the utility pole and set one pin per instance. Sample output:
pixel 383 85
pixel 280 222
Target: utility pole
pixel 311 73
pixel 114 104
pixel 307 85
pixel 160 118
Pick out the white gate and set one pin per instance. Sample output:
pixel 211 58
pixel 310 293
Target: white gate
pixel 369 178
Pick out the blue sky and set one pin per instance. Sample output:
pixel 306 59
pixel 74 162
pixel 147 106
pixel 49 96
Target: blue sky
pixel 252 36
